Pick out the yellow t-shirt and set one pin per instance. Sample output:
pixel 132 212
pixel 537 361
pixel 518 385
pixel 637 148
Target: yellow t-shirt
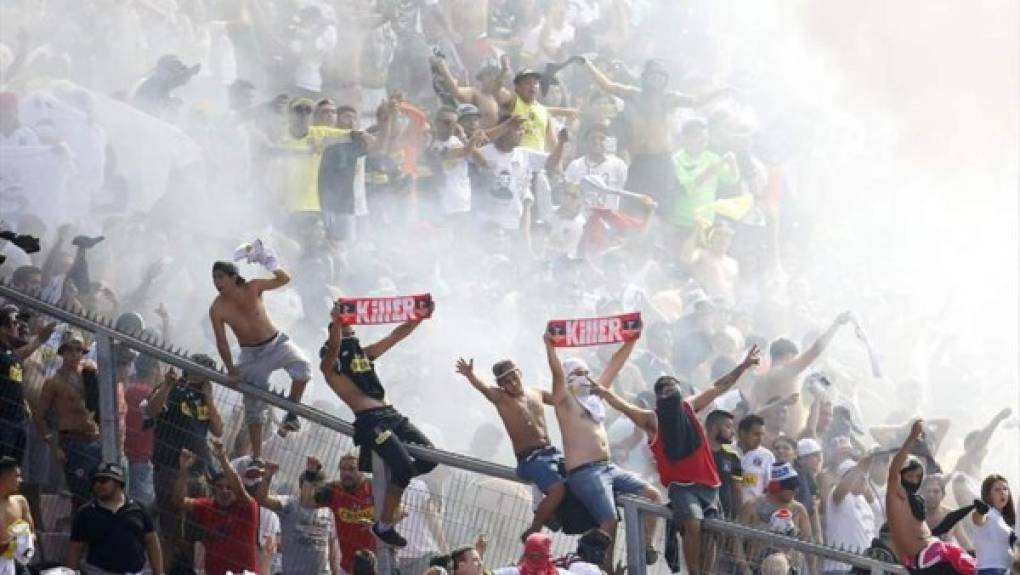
pixel 300 170
pixel 535 126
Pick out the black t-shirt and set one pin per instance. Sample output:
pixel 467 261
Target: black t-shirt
pixel 356 365
pixel 116 541
pixel 12 396
pixel 728 464
pixel 184 423
pixel 337 171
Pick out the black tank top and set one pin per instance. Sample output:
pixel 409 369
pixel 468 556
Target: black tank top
pixel 355 364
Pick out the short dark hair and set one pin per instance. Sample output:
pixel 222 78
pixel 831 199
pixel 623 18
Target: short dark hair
pixel 364 563
pixel 346 108
pixel 312 476
pixel 781 347
pixel 229 268
pixel 457 555
pixel 7 464
pixel 664 381
pixel 750 422
pixel 22 274
pixel 718 416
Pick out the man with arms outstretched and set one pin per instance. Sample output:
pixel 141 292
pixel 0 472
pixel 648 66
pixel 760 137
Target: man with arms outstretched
pixel 378 427
pixel 912 541
pixel 592 478
pixel 683 453
pixel 522 410
pixel 264 348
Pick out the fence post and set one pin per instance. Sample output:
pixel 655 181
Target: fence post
pixel 634 531
pixel 109 422
pixel 385 555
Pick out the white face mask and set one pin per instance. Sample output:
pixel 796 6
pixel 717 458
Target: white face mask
pixel 579 383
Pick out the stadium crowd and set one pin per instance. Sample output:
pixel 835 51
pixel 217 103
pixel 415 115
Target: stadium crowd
pixel 519 160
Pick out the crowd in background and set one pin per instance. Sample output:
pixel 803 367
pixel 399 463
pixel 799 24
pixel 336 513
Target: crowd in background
pixel 520 160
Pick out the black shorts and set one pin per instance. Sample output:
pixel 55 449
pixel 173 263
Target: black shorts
pixel 12 441
pixel 371 424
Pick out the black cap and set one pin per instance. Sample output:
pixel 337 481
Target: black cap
pixel 527 73
pixel 109 470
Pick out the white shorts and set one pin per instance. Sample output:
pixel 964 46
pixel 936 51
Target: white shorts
pixel 257 363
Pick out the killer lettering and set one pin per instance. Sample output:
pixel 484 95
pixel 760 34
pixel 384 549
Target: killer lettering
pixel 389 310
pixel 581 332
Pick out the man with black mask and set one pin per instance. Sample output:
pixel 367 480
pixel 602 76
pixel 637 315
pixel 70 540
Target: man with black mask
pixel 912 541
pixel 378 427
pixel 683 453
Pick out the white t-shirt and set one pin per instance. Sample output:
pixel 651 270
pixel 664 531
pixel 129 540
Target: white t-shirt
pixel 455 193
pixel 311 53
pixel 757 466
pixel 509 185
pixel 564 236
pixel 850 525
pixel 991 542
pixel 414 527
pixel 613 172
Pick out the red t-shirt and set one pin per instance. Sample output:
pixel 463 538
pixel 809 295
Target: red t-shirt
pixel 354 514
pixel 230 535
pixel 138 441
pixel 698 467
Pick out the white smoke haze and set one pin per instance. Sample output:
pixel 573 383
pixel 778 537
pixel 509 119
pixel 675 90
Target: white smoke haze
pixel 898 125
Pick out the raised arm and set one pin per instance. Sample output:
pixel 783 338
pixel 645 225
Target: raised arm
pixel 802 361
pixel 467 369
pixel 461 93
pixel 215 421
pixel 280 278
pixel 559 379
pixel 222 346
pixel 724 383
pixel 645 419
pixel 39 338
pixel 609 86
pixel 858 473
pixel 327 364
pixel 263 497
pixel 158 398
pixel 616 363
pixel 184 463
pixel 228 471
pixel 396 336
pixel 554 163
pixel 916 430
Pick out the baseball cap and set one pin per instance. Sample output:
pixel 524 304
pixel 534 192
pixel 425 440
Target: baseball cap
pixel 782 477
pixel 111 471
pixel 808 446
pixel 303 103
pixel 467 110
pixel 527 73
pixel 253 473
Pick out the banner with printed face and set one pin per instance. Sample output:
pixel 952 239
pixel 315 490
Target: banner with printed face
pixel 595 331
pixel 380 310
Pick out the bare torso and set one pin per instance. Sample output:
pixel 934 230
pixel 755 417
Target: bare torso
pixel 67 404
pixel 246 315
pixel 351 395
pixel 782 383
pixel 488 107
pixel 524 419
pixel 584 439
pixel 718 275
pixel 909 536
pixel 649 125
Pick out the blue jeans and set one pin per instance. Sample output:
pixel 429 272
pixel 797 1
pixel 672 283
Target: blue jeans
pixel 596 486
pixel 541 467
pixel 83 457
pixel 140 483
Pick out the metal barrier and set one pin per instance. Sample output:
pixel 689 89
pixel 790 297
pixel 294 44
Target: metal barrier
pixel 471 505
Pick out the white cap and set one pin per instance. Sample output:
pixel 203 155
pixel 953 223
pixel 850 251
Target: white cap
pixel 808 446
pixel 845 466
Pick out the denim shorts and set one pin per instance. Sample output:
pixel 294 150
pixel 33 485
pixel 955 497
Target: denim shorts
pixel 693 501
pixel 541 467
pixel 83 457
pixel 141 487
pixel 597 484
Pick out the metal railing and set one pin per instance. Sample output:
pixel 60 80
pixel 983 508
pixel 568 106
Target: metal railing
pixel 634 508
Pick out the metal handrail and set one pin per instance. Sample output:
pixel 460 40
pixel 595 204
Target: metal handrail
pixel 775 539
pixel 180 359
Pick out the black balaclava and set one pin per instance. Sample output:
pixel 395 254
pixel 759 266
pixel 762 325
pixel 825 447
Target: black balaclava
pixel 913 497
pixel 680 437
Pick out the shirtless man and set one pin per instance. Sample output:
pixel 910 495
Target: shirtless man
pixel 711 266
pixel 592 478
pixel 378 427
pixel 486 97
pixel 912 541
pixel 649 108
pixel 522 410
pixel 76 444
pixel 966 485
pixel 783 377
pixel 264 348
pixel 15 547
pixel 933 490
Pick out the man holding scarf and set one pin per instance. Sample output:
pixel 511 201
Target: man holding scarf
pixel 682 451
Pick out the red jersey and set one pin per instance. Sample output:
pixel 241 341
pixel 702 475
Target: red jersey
pixel 698 467
pixel 138 441
pixel 355 513
pixel 230 535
